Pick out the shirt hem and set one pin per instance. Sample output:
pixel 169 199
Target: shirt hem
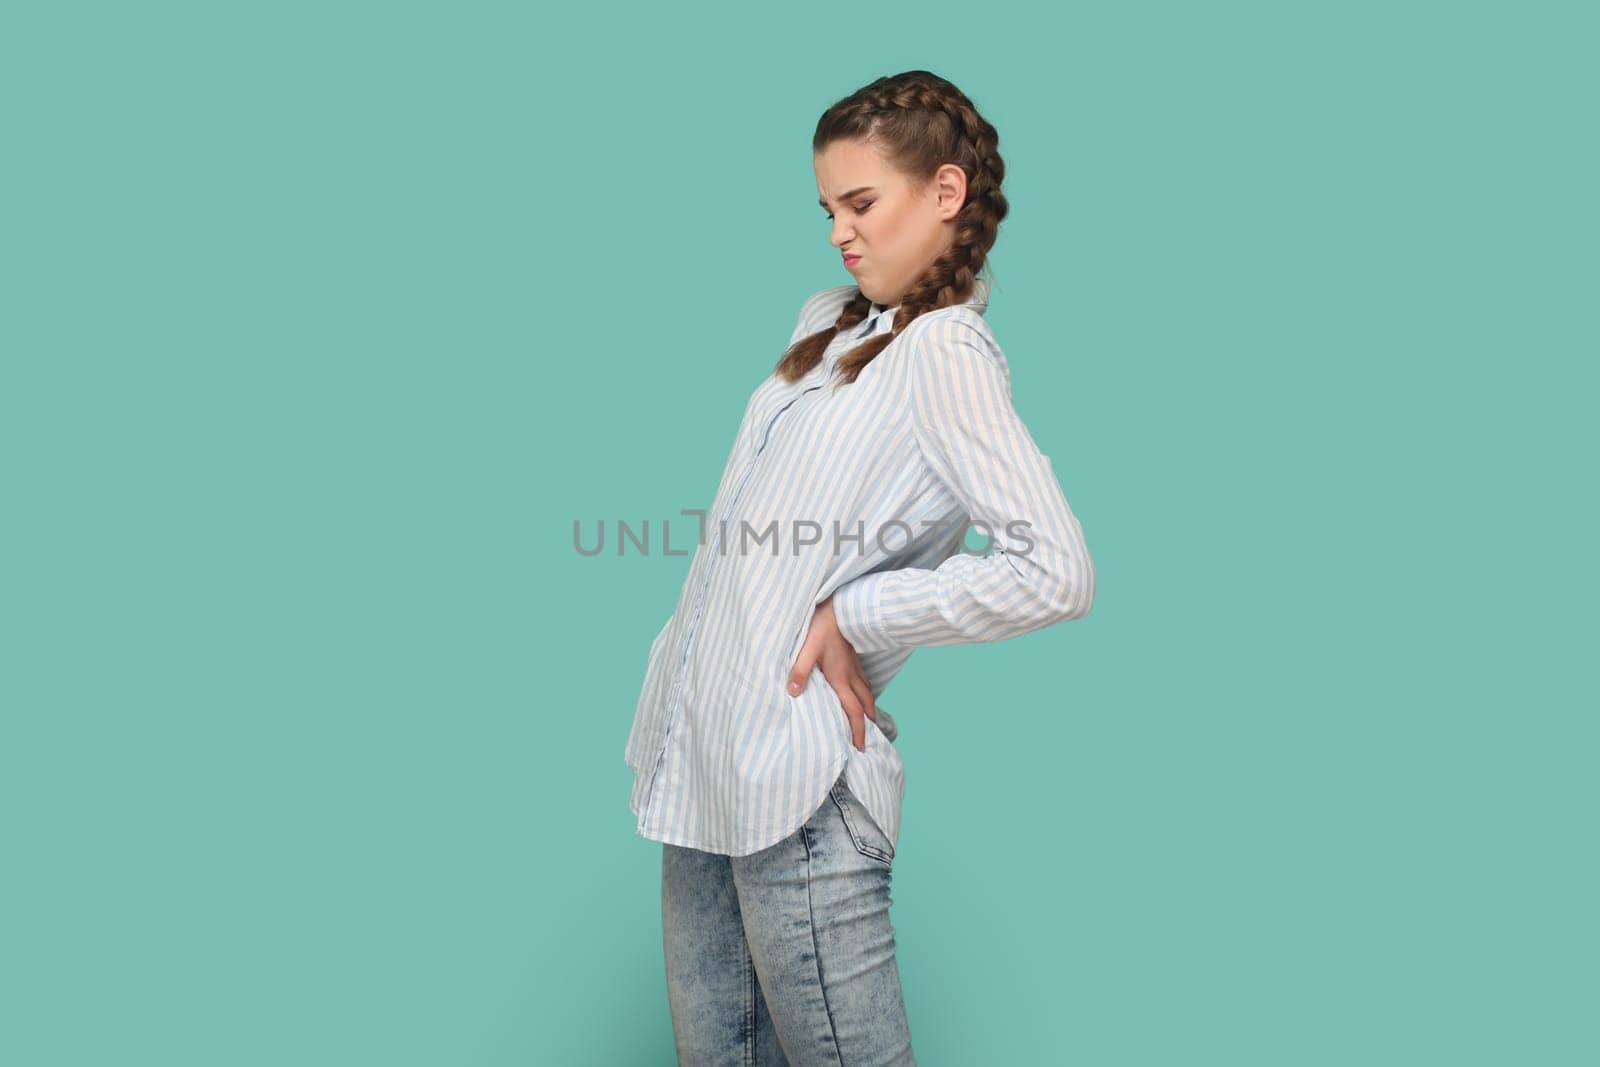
pixel 667 837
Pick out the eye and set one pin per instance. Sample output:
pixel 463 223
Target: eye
pixel 862 210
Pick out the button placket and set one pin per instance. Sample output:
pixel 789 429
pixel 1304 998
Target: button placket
pixel 705 583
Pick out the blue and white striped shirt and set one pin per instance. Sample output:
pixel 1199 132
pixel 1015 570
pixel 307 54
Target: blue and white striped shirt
pixel 865 494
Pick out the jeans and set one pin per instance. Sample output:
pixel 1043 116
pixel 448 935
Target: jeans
pixel 786 956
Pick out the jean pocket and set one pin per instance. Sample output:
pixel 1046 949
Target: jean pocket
pixel 864 833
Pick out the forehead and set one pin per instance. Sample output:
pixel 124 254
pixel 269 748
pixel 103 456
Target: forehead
pixel 844 165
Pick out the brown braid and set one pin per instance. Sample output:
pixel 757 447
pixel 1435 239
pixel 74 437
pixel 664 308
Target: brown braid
pixel 920 121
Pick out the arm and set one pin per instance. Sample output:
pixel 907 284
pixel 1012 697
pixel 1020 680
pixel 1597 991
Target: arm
pixel 977 445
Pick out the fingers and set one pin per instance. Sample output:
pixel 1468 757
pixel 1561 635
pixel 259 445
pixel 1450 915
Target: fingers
pixel 844 689
pixel 802 668
pixel 863 693
pixel 849 684
pixel 858 722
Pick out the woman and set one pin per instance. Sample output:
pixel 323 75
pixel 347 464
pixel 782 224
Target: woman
pixel 833 549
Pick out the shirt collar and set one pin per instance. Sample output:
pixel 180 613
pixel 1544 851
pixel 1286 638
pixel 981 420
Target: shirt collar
pixel 881 319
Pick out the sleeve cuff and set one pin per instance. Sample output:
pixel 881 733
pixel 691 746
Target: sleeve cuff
pixel 858 612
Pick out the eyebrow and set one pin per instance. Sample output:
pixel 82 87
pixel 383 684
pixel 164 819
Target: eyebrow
pixel 854 192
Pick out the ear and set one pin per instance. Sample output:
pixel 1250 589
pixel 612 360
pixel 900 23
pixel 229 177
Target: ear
pixel 951 187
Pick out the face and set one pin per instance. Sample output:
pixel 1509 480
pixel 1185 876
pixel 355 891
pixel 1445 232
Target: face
pixel 896 229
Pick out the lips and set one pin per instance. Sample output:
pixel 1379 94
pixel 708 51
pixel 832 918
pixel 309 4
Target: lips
pixel 850 260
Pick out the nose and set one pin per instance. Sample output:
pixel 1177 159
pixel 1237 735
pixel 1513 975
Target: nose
pixel 841 233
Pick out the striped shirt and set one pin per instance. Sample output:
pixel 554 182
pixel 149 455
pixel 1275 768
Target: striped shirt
pixel 864 494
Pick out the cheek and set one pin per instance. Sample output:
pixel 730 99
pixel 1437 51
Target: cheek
pixel 888 232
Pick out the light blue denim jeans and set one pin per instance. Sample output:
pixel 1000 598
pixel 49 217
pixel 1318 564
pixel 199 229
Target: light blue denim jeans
pixel 786 956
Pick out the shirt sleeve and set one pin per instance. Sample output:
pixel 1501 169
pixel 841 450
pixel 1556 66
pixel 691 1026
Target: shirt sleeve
pixel 1038 571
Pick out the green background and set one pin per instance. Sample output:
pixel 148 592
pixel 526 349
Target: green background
pixel 323 323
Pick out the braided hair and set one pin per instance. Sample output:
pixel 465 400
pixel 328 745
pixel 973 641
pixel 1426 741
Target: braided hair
pixel 920 122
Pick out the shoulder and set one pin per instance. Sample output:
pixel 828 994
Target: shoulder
pixel 949 337
pixel 821 308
